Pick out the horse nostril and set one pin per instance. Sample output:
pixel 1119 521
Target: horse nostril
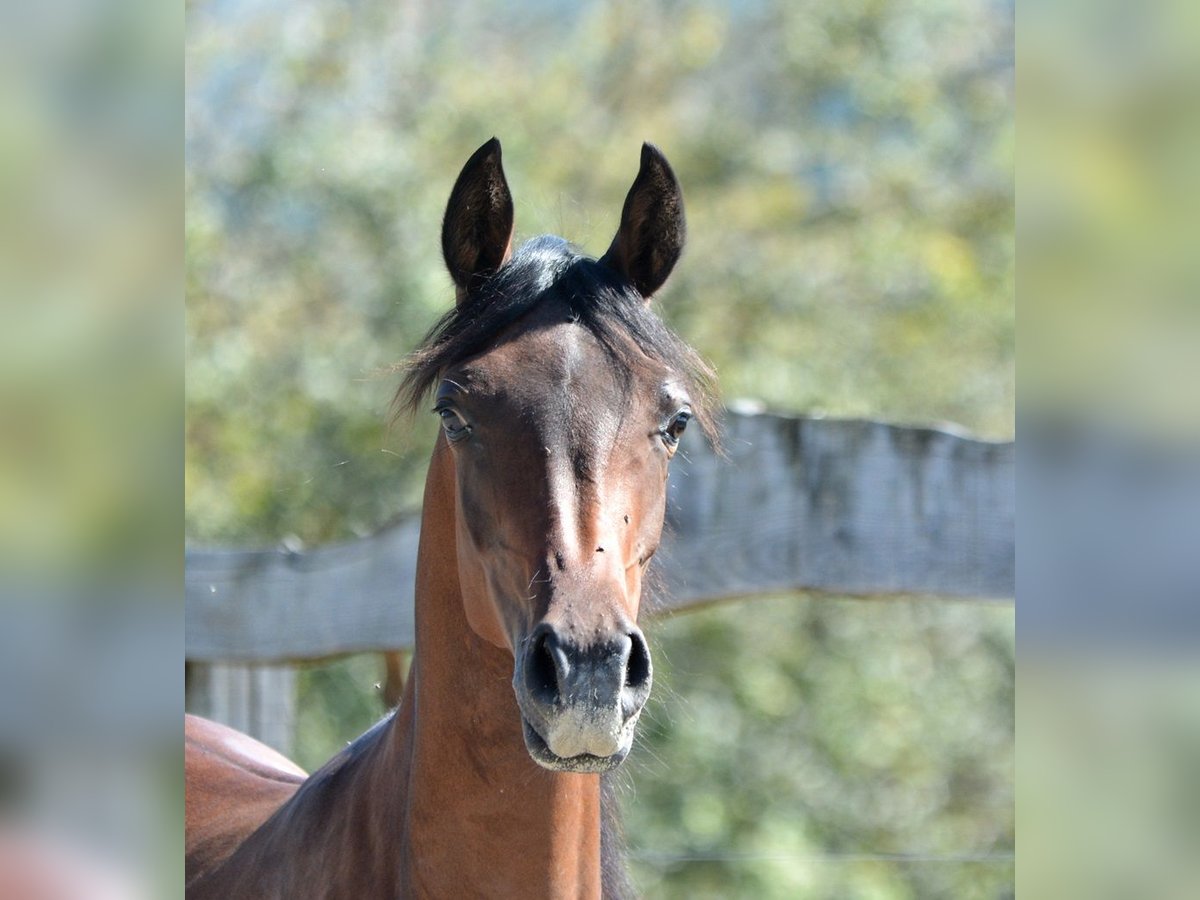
pixel 545 667
pixel 611 675
pixel 637 669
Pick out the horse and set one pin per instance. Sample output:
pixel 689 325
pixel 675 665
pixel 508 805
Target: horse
pixel 562 398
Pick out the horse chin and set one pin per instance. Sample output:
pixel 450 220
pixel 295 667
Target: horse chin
pixel 584 763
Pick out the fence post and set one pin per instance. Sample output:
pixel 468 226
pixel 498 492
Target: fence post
pixel 258 700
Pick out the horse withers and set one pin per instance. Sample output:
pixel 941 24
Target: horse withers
pixel 562 398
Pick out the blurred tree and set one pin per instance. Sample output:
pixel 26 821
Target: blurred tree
pixel 827 748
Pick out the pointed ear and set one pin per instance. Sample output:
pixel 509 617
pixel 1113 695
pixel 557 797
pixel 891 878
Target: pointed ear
pixel 653 228
pixel 478 226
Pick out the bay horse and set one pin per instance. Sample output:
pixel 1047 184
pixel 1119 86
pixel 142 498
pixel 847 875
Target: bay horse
pixel 562 398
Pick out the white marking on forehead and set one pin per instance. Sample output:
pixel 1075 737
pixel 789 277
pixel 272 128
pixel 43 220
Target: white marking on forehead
pixel 563 497
pixel 588 423
pixel 565 501
pixel 571 350
pixel 589 417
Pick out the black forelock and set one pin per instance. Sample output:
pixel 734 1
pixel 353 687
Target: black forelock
pixel 549 269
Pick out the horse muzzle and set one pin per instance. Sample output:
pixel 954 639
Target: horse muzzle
pixel 580 704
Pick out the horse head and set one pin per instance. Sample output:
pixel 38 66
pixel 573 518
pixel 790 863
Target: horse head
pixel 562 399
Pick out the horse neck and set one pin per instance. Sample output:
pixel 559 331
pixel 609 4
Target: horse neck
pixel 480 811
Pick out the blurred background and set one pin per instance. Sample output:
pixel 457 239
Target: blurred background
pixel 887 128
pixel 91 510
pixel 848 171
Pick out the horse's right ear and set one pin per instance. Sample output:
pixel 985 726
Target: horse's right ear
pixel 653 228
pixel 478 226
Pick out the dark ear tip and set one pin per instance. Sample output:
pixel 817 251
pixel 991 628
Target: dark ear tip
pixel 489 151
pixel 653 160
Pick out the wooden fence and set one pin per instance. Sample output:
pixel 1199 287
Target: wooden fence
pixel 845 507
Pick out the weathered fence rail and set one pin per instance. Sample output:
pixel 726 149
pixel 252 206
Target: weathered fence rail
pixel 842 506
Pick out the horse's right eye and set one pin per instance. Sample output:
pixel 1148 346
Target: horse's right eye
pixel 455 426
pixel 675 428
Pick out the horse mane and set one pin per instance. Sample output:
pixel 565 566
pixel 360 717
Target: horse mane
pixel 545 270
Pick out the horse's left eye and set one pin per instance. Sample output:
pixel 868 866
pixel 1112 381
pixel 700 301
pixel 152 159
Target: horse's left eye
pixel 676 427
pixel 453 423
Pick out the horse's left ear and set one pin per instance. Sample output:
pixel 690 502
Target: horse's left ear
pixel 478 227
pixel 653 228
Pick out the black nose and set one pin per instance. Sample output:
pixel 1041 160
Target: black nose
pixel 559 673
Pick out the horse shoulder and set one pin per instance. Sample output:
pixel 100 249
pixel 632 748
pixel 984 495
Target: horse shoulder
pixel 233 784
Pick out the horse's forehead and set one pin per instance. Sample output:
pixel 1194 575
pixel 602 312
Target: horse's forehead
pixel 557 360
pixel 559 374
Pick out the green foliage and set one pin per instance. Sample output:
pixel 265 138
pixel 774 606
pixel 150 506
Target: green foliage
pixel 802 746
pixel 847 170
pixel 335 704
